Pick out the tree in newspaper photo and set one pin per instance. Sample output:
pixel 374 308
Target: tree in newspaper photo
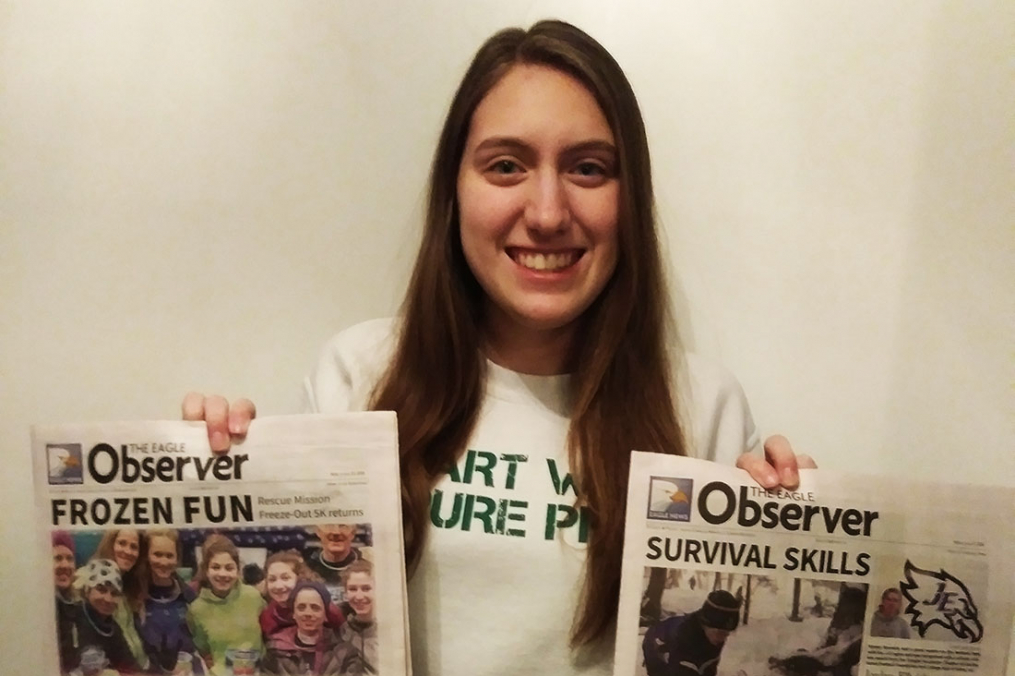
pixel 705 623
pixel 216 602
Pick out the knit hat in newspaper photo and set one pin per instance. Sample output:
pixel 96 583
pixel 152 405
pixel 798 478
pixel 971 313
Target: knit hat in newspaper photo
pixel 721 610
pixel 97 572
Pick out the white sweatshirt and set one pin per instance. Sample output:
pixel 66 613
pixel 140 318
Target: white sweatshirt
pixel 499 579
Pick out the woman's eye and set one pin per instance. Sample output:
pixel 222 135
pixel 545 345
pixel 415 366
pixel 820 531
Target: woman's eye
pixel 504 167
pixel 590 169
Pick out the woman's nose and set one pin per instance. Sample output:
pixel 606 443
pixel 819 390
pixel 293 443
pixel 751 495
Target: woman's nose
pixel 547 210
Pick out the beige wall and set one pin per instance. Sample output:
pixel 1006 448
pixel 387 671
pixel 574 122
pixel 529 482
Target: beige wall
pixel 194 195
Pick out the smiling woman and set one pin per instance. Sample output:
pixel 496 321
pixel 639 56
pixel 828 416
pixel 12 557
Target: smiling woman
pixel 225 614
pixel 126 547
pixel 163 620
pixel 538 207
pixel 94 626
pixel 533 352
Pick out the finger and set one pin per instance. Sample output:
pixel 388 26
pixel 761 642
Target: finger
pixel 804 461
pixel 193 406
pixel 216 415
pixel 781 457
pixel 240 414
pixel 759 469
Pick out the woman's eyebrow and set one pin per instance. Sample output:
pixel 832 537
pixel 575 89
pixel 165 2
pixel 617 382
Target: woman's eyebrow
pixel 593 145
pixel 503 142
pixel 517 144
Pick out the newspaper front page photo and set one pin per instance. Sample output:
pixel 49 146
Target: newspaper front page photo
pixel 844 576
pixel 282 557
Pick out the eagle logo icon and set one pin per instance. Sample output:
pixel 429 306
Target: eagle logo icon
pixel 64 463
pixel 670 498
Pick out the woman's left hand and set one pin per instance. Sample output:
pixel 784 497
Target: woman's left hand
pixel 779 467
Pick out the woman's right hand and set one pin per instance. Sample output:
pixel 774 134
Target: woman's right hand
pixel 226 423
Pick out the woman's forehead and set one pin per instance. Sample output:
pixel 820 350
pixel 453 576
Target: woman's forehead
pixel 280 567
pixel 309 594
pixel 537 103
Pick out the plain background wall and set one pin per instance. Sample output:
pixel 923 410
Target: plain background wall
pixel 195 195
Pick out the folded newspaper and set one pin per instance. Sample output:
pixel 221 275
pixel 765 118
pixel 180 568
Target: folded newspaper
pixel 283 556
pixel 844 575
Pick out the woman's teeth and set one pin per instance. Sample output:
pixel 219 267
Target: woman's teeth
pixel 546 262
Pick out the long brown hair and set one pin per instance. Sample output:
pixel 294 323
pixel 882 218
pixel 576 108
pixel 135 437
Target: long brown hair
pixel 135 579
pixel 620 385
pixel 173 536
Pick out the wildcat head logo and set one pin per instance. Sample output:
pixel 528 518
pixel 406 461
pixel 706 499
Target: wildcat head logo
pixel 942 599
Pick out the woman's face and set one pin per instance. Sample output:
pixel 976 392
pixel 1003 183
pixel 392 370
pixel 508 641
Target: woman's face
pixel 63 567
pixel 126 547
pixel 222 573
pixel 359 592
pixel 538 197
pixel 162 559
pixel 279 580
pixel 103 598
pixel 308 611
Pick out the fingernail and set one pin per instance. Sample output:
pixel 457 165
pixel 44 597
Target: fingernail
pixel 771 478
pixel 790 477
pixel 234 427
pixel 219 441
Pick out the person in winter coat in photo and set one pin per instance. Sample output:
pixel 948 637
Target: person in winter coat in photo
pixel 94 626
pixel 162 621
pixel 224 616
pixel 357 649
pixel 308 646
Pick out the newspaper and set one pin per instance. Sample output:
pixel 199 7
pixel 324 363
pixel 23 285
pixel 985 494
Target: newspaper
pixel 844 575
pixel 283 556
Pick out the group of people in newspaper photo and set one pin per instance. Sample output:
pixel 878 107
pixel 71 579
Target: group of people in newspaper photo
pixel 127 604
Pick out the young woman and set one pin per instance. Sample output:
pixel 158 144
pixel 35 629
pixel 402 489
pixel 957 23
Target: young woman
pixel 535 327
pixel 95 627
pixel 224 615
pixel 162 622
pixel 283 571
pixel 357 648
pixel 127 548
pixel 308 645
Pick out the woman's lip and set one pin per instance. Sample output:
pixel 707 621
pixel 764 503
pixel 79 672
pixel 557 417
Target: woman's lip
pixel 545 261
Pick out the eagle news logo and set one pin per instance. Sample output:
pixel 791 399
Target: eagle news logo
pixel 669 499
pixel 64 463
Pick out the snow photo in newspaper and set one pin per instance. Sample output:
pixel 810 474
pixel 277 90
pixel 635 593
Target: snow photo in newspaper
pixel 282 557
pixel 843 576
